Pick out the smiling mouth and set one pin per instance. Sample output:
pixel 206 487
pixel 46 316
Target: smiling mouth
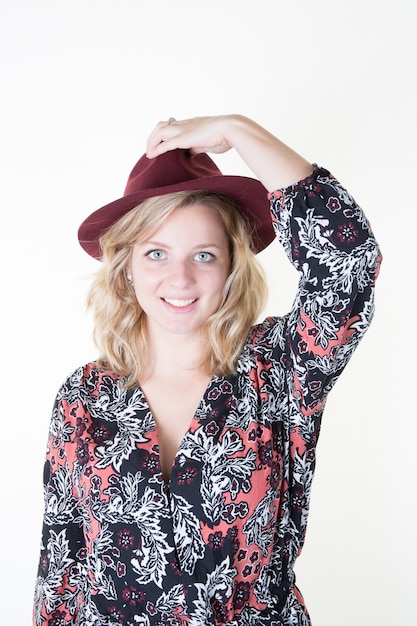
pixel 179 303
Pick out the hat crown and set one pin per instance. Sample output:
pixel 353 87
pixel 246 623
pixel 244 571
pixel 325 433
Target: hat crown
pixel 170 168
pixel 174 171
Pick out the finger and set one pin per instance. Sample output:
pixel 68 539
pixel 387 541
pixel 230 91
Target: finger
pixel 164 133
pixel 161 148
pixel 156 137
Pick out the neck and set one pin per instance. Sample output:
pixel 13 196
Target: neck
pixel 174 354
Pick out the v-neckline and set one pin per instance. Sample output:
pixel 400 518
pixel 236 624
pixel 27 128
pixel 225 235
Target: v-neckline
pixel 167 479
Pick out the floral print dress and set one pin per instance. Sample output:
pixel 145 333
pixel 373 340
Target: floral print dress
pixel 217 545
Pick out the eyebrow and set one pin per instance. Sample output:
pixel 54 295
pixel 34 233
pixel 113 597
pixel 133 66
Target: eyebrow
pixel 159 244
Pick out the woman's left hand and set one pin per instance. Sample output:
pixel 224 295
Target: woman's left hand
pixel 199 134
pixel 275 164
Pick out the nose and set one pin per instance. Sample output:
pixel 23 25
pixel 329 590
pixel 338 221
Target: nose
pixel 181 274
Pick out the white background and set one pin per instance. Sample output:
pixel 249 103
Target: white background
pixel 82 84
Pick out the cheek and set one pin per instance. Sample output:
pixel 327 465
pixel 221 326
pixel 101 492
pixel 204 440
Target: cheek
pixel 143 278
pixel 218 284
pixel 143 287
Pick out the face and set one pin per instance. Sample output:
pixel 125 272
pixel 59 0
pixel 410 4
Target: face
pixel 180 271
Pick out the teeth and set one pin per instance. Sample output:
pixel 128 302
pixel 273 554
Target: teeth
pixel 180 303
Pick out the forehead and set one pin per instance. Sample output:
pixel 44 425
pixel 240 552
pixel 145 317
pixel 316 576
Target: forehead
pixel 196 221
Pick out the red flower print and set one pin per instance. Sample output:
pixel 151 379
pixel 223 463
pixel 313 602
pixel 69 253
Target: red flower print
pixel 115 614
pixel 311 455
pixel 44 563
pixel 297 500
pixel 211 429
pixel 216 540
pixel 254 556
pixel 57 619
pixel 275 475
pixel 133 595
pixel 175 568
pixel 285 362
pixel 302 346
pixel 150 608
pixel 82 554
pixel 99 433
pixel 347 233
pixel 220 612
pixel 151 463
pixel 333 204
pixel 265 454
pixel 121 569
pixel 187 476
pixel 233 532
pixel 214 393
pixel 229 513
pixel 125 539
pixel 247 571
pixel 242 554
pixel 82 453
pixel 312 188
pixel 241 509
pixel 80 427
pixel 226 387
pixel 241 595
pixel 230 402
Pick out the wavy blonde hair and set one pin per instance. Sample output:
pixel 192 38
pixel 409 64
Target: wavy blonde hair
pixel 120 323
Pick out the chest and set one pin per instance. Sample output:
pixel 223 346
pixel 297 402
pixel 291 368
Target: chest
pixel 173 404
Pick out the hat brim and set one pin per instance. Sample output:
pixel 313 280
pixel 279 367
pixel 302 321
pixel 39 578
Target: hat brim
pixel 248 193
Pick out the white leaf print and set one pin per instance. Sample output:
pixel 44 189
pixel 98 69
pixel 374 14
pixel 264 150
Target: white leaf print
pixel 47 589
pixel 219 584
pixel 170 601
pixel 259 527
pixel 59 501
pixel 188 540
pixel 221 469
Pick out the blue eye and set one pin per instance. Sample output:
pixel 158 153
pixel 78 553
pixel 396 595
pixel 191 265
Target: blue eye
pixel 204 257
pixel 156 255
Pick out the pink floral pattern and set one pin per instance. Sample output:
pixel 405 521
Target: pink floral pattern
pixel 218 544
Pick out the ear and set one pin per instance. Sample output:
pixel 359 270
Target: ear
pixel 128 272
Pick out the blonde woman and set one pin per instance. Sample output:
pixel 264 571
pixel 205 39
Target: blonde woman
pixel 179 464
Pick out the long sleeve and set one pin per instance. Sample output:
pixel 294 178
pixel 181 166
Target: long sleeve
pixel 60 575
pixel 300 356
pixel 328 239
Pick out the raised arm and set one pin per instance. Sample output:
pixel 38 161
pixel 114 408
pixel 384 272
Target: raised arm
pixel 274 163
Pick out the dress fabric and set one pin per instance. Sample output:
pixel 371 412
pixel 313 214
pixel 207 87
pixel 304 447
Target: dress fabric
pixel 217 545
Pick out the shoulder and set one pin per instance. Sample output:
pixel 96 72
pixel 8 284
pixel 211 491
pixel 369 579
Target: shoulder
pixel 89 379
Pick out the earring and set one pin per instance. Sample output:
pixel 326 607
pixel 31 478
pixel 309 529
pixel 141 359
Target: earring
pixel 129 278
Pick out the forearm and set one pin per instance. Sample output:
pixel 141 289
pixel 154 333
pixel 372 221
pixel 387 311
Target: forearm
pixel 328 239
pixel 273 162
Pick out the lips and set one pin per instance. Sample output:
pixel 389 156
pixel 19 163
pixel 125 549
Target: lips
pixel 180 304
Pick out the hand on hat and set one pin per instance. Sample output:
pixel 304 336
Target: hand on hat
pixel 274 163
pixel 199 134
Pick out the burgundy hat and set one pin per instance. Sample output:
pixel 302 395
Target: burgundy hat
pixel 177 170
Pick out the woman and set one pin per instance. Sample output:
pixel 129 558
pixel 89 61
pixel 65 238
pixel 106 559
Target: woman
pixel 179 465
